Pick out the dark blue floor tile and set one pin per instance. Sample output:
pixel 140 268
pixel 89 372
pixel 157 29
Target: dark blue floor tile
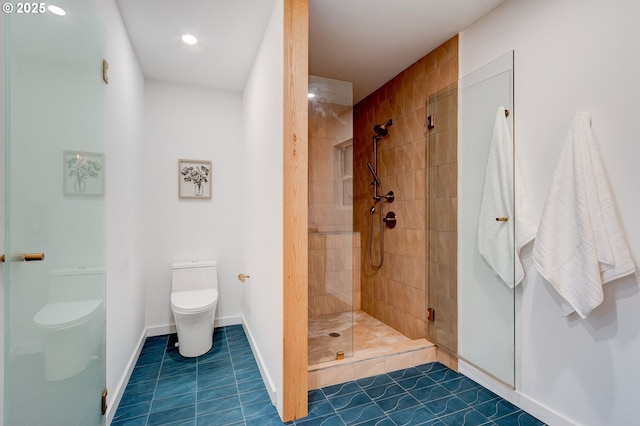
pixel 341 389
pixel 320 409
pixel 175 385
pixel 477 396
pixel 145 373
pixel 360 414
pixel 429 393
pixel 132 411
pixel 251 385
pixel 496 408
pixel 138 421
pixel 444 406
pixel 171 416
pixel 397 403
pixel 254 396
pixel 174 402
pixel 404 374
pixel 218 392
pixel 265 420
pixel 136 393
pixel 258 409
pixel 218 405
pixel 375 381
pixel 221 418
pixel 328 420
pixel 518 418
pixel 225 387
pixel 416 382
pixel 468 416
pixel 343 402
pixel 412 416
pixel 384 391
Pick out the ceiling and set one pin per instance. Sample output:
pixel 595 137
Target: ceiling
pixel 366 42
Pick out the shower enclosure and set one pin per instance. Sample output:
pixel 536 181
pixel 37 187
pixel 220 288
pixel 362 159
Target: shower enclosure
pixel 334 253
pixel 54 215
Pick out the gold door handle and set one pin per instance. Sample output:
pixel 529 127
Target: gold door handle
pixel 27 257
pixel 502 219
pixel 243 278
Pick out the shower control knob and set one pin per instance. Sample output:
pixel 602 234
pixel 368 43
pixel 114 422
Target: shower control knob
pixel 390 197
pixel 390 220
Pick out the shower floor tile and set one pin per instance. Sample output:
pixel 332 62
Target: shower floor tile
pixel 367 338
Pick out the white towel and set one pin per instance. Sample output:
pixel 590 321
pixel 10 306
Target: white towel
pixel 499 242
pixel 580 246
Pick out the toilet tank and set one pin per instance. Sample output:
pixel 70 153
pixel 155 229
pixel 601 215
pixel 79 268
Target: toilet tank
pixel 75 284
pixel 195 275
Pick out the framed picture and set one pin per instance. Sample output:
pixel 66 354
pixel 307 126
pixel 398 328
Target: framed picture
pixel 83 173
pixel 194 179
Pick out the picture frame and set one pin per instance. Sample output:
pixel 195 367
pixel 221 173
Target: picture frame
pixel 194 179
pixel 83 173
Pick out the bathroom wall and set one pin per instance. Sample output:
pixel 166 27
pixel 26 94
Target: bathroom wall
pixel 397 293
pixel 2 206
pixel 572 55
pixel 125 298
pixel 262 213
pixel 191 122
pixel 124 154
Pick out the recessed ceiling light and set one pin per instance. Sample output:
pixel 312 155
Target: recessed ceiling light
pixel 189 39
pixel 311 95
pixel 56 10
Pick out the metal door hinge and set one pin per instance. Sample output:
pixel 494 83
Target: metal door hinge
pixel 104 401
pixel 105 68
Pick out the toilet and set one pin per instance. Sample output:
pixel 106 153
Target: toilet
pixel 72 321
pixel 194 297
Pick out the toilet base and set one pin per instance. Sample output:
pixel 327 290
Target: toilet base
pixel 195 334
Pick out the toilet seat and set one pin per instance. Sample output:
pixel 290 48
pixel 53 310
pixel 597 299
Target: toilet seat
pixel 193 302
pixel 65 314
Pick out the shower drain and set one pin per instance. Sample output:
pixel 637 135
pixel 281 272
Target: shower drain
pixel 334 334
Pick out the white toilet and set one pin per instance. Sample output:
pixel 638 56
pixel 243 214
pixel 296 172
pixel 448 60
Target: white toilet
pixel 194 297
pixel 72 321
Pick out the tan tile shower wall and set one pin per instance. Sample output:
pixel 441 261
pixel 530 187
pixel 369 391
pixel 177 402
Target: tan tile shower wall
pixel 334 275
pixel 396 294
pixel 334 249
pixel 329 126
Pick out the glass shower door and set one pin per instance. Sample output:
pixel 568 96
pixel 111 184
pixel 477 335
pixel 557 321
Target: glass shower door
pixel 54 216
pixel 486 323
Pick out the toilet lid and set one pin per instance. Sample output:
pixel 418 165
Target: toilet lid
pixel 65 313
pixel 194 301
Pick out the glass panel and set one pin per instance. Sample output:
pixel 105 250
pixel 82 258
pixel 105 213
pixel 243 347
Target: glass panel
pixel 442 107
pixel 333 246
pixel 54 313
pixel 486 302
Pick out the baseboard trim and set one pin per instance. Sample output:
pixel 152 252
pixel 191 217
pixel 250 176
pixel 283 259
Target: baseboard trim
pixel 264 372
pixel 114 401
pixel 531 406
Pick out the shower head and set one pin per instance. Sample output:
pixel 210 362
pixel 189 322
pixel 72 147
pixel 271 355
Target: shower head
pixel 383 129
pixel 376 181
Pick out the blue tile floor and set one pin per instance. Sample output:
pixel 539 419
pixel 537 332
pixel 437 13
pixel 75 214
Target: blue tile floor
pixel 224 387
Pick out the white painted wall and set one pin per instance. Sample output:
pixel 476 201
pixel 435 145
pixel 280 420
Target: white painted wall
pixel 262 232
pixel 125 222
pixel 573 55
pixel 2 201
pixel 191 122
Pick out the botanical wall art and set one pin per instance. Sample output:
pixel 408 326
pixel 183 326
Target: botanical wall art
pixel 194 179
pixel 83 173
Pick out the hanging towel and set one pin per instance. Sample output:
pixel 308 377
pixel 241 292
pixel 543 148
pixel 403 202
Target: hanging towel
pixel 503 196
pixel 580 245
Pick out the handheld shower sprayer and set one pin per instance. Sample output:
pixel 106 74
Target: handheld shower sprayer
pixel 376 181
pixel 383 129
